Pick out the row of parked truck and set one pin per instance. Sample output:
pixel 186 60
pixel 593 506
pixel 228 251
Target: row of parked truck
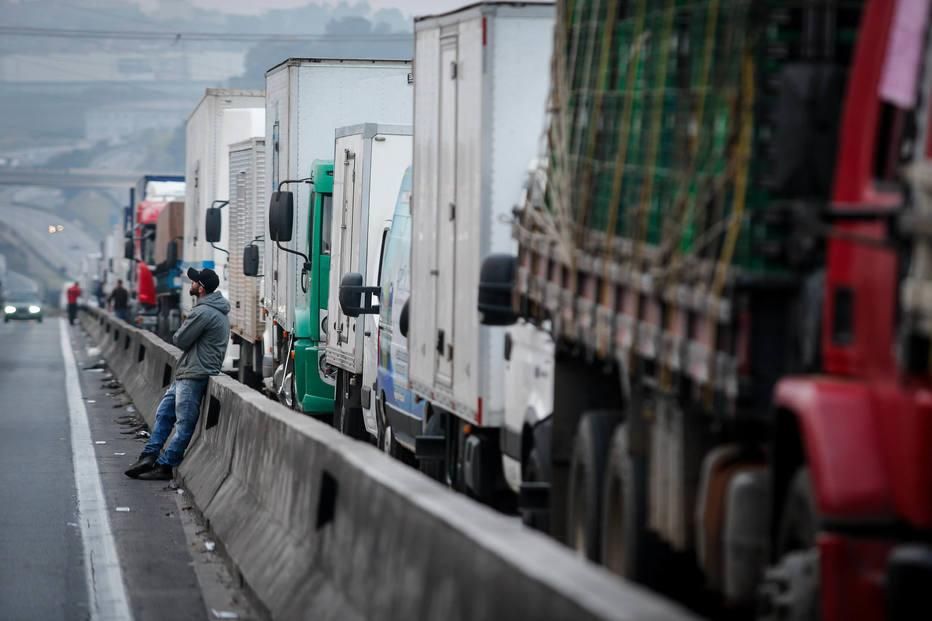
pixel 299 196
pixel 631 268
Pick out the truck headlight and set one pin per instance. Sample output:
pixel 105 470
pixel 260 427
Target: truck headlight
pixel 34 309
pixel 9 310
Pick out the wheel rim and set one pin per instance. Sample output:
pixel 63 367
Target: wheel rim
pixel 790 589
pixel 387 443
pixel 287 392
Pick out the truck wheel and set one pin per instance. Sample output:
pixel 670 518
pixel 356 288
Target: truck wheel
pixel 790 589
pixel 348 419
pixel 291 391
pixel 386 440
pixel 247 375
pixel 435 468
pixel 799 525
pixel 338 399
pixel 587 469
pixel 533 472
pixel 625 541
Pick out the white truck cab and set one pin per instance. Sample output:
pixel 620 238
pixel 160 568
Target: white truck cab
pixel 369 163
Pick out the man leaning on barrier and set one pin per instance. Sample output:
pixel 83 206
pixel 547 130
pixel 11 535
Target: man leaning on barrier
pixel 203 340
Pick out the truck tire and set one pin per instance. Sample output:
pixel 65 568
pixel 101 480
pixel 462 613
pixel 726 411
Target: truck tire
pixel 246 370
pixel 587 469
pixel 626 544
pixel 347 418
pixel 435 468
pixel 386 440
pixel 790 589
pixel 799 524
pixel 533 472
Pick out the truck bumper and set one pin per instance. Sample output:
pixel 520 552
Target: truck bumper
pixel 314 394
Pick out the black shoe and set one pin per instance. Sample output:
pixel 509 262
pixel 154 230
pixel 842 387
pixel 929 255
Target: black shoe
pixel 145 463
pixel 159 473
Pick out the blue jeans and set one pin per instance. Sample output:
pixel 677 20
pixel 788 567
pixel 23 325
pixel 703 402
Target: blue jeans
pixel 121 313
pixel 180 408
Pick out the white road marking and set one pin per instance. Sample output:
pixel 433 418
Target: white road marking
pixel 105 587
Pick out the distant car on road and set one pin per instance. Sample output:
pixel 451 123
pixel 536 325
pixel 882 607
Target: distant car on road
pixel 22 305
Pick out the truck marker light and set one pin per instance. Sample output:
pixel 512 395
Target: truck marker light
pixel 292 354
pixel 479 411
pixel 467 429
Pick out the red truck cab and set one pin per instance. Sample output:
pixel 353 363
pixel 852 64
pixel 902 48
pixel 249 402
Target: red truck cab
pixel 866 424
pixel 147 215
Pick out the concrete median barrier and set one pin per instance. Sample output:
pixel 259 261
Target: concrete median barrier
pixel 207 462
pixel 323 527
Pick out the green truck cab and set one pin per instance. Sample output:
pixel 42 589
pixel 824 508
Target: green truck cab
pixel 314 388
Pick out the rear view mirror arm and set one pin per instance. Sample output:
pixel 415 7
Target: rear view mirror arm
pixel 307 260
pixel 366 292
pixel 307 180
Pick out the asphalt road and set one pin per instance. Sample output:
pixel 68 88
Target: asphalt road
pixel 42 574
pixel 167 568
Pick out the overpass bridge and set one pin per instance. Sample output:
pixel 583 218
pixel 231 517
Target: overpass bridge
pixel 78 178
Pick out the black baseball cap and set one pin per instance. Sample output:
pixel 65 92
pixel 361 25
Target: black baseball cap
pixel 205 277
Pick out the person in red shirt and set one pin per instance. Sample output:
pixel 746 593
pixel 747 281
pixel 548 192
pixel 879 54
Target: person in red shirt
pixel 73 293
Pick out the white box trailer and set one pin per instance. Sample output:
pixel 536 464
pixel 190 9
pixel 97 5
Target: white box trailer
pixel 369 163
pixel 116 265
pixel 481 83
pixel 222 117
pixel 247 227
pixel 307 99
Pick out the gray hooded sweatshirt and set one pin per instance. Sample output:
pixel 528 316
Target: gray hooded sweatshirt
pixel 203 338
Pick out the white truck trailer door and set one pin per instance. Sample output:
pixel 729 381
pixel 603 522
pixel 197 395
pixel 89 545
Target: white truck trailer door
pixel 446 211
pixel 347 247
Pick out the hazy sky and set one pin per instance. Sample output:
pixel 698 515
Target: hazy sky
pixel 409 7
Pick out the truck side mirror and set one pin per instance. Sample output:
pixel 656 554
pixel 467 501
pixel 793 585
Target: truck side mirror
pixel 213 223
pixel 171 252
pixel 129 250
pixel 281 216
pixel 496 282
pixel 355 299
pixel 251 260
pixel 403 319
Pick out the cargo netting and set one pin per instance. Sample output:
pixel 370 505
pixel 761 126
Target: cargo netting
pixel 690 145
pixel 660 145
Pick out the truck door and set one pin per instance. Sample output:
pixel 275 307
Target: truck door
pixel 370 359
pixel 446 212
pixel 347 219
